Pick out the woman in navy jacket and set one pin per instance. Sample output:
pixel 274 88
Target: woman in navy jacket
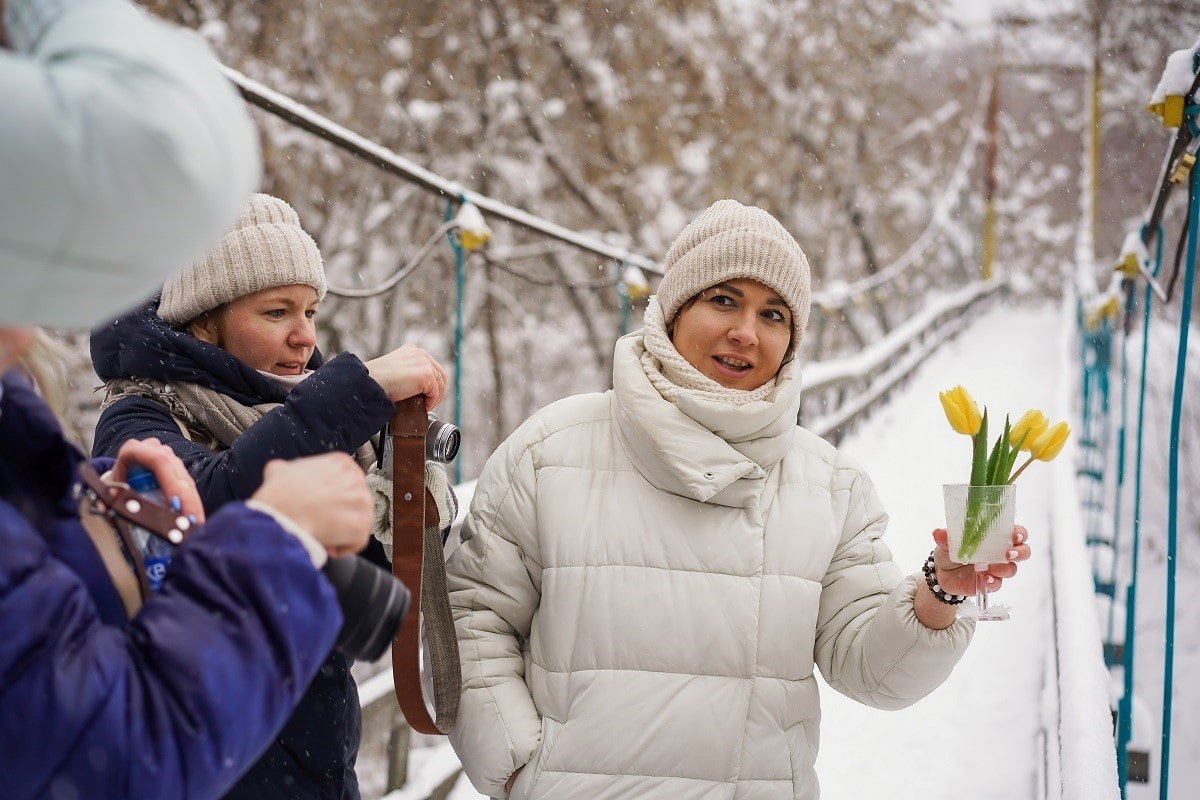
pixel 223 368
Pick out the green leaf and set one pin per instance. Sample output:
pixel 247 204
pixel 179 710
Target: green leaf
pixel 979 453
pixel 1006 467
pixel 999 456
pixel 1013 455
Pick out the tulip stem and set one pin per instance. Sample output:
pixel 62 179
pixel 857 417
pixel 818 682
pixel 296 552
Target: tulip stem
pixel 1021 469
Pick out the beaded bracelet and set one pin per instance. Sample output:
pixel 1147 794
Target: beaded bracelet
pixel 930 570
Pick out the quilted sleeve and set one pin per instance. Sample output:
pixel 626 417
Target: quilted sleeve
pixel 494 578
pixel 182 700
pixel 870 645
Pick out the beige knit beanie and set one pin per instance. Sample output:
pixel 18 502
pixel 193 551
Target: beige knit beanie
pixel 266 248
pixel 730 240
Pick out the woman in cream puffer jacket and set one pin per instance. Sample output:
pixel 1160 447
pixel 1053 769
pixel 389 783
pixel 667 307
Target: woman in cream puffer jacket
pixel 648 576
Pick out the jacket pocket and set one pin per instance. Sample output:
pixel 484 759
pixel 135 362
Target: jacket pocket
pixel 801 741
pixel 526 783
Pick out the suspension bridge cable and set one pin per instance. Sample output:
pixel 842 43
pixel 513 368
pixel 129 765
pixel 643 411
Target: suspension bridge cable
pixel 1125 705
pixel 1109 642
pixel 603 283
pixel 359 146
pixel 401 273
pixel 1185 313
pixel 460 279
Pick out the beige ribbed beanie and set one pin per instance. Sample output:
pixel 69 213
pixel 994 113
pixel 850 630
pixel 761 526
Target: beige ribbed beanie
pixel 266 248
pixel 730 240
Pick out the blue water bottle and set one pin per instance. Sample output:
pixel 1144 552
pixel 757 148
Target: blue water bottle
pixel 156 552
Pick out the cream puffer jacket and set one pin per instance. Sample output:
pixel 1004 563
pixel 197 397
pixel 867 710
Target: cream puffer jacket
pixel 642 591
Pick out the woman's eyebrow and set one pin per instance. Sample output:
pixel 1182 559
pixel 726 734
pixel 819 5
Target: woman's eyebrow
pixel 725 287
pixel 282 300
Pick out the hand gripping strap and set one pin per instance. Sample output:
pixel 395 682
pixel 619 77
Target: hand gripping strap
pixel 122 507
pixel 417 561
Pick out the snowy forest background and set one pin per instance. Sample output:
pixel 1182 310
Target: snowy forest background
pixel 623 119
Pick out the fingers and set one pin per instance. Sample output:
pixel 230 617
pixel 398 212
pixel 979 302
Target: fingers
pixel 1020 535
pixel 941 538
pixel 172 476
pixel 1019 552
pixel 409 371
pixel 436 391
pixel 327 495
pixel 941 550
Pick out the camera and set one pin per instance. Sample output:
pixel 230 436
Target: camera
pixel 441 443
pixel 373 603
pixel 441 440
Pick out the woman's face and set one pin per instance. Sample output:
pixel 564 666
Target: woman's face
pixel 736 333
pixel 272 330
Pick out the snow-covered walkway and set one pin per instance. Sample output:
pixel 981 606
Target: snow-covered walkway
pixel 980 735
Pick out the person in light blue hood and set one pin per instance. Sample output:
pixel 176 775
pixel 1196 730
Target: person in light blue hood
pixel 124 154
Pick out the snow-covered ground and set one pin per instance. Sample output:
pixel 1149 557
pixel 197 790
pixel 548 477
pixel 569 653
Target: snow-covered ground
pixel 980 734
pixel 986 732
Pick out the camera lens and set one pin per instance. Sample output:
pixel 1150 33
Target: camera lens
pixel 441 441
pixel 373 603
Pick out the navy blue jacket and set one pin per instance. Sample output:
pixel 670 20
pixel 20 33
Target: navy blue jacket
pixel 175 703
pixel 336 409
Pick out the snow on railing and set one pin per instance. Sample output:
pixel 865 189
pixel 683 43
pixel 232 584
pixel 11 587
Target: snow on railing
pixel 1087 756
pixel 302 116
pixel 360 146
pixel 877 368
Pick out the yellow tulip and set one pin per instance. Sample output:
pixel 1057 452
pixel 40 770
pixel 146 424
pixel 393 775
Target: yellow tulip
pixel 1050 441
pixel 961 411
pixel 1028 427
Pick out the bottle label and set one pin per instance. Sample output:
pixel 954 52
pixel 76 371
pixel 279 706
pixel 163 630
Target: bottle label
pixel 156 568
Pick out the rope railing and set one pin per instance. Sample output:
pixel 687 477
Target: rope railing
pixel 825 301
pixel 863 380
pixel 305 118
pixel 1103 317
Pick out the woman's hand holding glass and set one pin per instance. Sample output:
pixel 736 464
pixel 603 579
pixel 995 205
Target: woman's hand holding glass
pixel 956 578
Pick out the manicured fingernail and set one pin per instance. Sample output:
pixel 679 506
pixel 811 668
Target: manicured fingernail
pixel 990 580
pixel 1012 555
pixel 176 503
pixel 193 519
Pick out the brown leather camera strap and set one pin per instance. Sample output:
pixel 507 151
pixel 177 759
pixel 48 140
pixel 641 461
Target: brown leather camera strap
pixel 122 507
pixel 417 560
